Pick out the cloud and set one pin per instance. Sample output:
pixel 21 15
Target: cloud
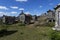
pixel 21 9
pixel 14 7
pixel 58 3
pixel 27 12
pixel 8 13
pixel 22 0
pixel 13 12
pixel 3 13
pixel 41 6
pixel 3 7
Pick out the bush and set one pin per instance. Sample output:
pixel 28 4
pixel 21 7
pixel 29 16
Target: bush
pixel 50 24
pixel 55 36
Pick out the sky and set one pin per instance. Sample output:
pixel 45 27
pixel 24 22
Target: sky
pixel 33 7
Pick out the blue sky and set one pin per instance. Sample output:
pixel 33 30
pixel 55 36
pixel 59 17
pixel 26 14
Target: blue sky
pixel 33 7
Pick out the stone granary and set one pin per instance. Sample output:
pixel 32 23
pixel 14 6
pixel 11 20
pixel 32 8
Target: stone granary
pixel 25 18
pixel 57 16
pixel 0 20
pixel 34 18
pixel 22 18
pixel 50 16
pixel 44 14
pixel 8 19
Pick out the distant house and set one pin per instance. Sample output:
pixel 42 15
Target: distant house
pixel 25 18
pixel 50 16
pixel 8 19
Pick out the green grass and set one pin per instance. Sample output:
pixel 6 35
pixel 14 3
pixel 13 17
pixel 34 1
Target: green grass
pixel 27 33
pixel 55 35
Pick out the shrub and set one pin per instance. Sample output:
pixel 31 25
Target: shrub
pixel 50 24
pixel 55 35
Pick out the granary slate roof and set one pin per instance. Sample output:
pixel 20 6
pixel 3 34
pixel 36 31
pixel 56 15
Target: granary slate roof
pixel 49 11
pixel 21 13
pixel 57 6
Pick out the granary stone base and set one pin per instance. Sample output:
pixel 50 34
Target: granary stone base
pixel 56 28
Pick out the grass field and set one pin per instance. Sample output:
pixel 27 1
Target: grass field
pixel 28 32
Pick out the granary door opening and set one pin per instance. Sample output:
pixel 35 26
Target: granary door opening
pixel 59 18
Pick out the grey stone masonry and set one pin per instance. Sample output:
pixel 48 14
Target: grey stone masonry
pixel 57 18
